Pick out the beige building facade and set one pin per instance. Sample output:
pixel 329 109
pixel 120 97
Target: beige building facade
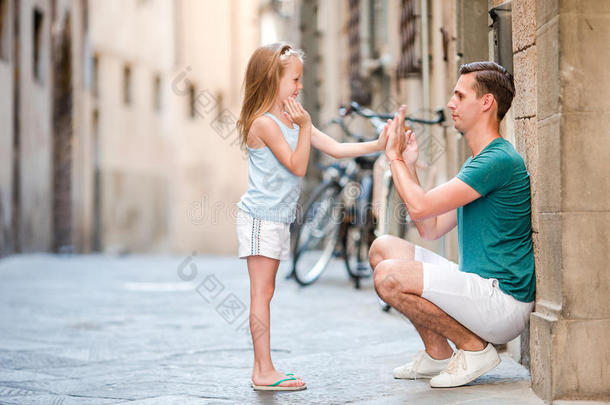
pixel 169 84
pixel 132 59
pixel 117 129
pixel 42 136
pixel 210 174
pixel 170 164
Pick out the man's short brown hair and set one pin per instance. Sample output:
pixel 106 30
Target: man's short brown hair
pixel 492 78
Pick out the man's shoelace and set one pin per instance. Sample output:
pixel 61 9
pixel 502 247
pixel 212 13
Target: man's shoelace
pixel 457 360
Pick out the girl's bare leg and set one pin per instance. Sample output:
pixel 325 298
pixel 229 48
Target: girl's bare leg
pixel 262 271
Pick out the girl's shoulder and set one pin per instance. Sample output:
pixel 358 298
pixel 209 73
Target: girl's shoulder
pixel 263 130
pixel 263 122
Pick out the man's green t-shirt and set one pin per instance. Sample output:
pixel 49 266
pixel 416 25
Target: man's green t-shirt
pixel 494 231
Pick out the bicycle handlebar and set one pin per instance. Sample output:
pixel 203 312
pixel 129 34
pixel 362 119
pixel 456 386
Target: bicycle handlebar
pixel 377 120
pixel 366 113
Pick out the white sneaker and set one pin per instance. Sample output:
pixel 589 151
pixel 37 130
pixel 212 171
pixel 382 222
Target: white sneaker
pixel 466 366
pixel 423 366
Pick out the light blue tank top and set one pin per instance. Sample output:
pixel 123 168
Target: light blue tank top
pixel 273 190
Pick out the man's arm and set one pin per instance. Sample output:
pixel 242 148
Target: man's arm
pixel 424 204
pixel 402 153
pixel 435 227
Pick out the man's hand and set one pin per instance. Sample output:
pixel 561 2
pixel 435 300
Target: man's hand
pixel 411 152
pixel 396 136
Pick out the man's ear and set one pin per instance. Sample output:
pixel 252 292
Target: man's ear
pixel 488 102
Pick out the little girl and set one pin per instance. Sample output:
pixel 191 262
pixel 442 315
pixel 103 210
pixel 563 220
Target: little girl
pixel 278 134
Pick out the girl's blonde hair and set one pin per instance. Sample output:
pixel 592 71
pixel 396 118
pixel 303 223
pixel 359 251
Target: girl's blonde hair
pixel 261 84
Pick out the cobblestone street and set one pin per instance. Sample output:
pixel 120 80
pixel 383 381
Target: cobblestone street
pixel 170 330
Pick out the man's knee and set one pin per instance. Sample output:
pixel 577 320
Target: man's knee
pixel 385 246
pixel 385 281
pixel 375 255
pixel 378 250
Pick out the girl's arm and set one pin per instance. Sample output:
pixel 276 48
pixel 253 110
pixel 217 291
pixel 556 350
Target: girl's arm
pixel 337 150
pixel 265 129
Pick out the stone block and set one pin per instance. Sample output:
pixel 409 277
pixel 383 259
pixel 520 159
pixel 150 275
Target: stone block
pixel 524 23
pixel 546 10
pixel 584 160
pixel 524 63
pixel 585 77
pixel 548 261
pixel 569 358
pixel 547 77
pixel 527 146
pixel 548 174
pixel 520 137
pixel 580 360
pixel 541 335
pixel 584 6
pixel 586 281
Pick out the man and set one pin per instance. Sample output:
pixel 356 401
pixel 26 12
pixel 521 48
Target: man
pixel 489 296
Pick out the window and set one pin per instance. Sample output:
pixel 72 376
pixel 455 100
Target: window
pixel 4 30
pixel 157 102
pixel 127 96
pixel 409 62
pixel 95 75
pixel 192 101
pixel 37 58
pixel 358 88
pixel 95 123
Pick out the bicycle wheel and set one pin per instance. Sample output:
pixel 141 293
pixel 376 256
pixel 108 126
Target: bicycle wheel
pixel 356 243
pixel 317 234
pixel 360 233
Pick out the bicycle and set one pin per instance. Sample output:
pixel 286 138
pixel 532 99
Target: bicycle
pixel 337 219
pixel 395 217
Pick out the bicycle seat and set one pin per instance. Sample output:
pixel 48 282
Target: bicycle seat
pixel 367 161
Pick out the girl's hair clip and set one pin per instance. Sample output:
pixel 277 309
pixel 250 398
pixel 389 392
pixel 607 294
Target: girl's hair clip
pixel 289 51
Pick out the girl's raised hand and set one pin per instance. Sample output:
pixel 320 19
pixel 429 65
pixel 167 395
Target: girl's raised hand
pixel 383 137
pixel 296 112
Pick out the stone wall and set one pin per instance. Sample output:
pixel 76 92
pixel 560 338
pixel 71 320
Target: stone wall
pixel 562 121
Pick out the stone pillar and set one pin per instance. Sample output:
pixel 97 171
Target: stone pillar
pixel 567 142
pixel 523 111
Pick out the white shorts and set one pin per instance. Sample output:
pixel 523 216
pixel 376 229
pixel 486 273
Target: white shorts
pixel 474 301
pixel 258 237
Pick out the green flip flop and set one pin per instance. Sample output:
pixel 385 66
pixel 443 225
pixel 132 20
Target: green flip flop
pixel 288 374
pixel 276 386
